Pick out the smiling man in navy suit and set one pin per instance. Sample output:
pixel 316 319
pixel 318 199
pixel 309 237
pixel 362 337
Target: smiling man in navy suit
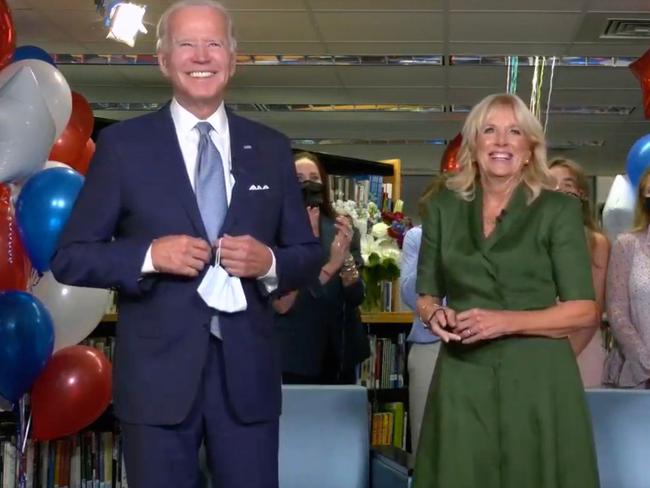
pixel 162 191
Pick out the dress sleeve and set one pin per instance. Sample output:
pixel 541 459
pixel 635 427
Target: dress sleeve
pixel 430 277
pixel 570 255
pixel 618 302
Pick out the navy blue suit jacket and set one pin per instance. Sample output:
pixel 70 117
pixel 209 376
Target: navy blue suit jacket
pixel 138 189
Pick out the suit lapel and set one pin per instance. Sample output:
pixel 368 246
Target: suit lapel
pixel 243 158
pixel 173 170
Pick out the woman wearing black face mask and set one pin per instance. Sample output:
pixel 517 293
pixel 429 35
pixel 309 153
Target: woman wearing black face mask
pixel 319 326
pixel 587 344
pixel 628 299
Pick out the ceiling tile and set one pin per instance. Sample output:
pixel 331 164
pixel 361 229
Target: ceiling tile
pixel 483 76
pixel 32 27
pixel 282 47
pixel 513 27
pixel 572 77
pixel 379 26
pixel 426 95
pixel 273 26
pixel 517 5
pixel 508 48
pixel 388 48
pixel 619 6
pixel 286 76
pixel 302 94
pixel 583 96
pixel 93 74
pixel 234 5
pixel 375 4
pixel 620 48
pixel 396 76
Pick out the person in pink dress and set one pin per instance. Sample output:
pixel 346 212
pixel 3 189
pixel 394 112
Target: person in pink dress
pixel 628 299
pixel 588 344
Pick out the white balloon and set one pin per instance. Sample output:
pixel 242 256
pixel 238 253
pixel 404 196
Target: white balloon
pixel 26 127
pixel 618 212
pixel 56 164
pixel 75 311
pixel 53 86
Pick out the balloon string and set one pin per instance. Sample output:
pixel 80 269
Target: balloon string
pixel 515 74
pixel 513 66
pixel 540 84
pixel 550 90
pixel 533 88
pixel 34 280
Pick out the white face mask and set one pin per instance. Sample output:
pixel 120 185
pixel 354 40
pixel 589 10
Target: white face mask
pixel 222 291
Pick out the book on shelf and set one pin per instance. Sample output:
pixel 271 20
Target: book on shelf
pixel 361 189
pixel 89 459
pixel 385 367
pixel 389 425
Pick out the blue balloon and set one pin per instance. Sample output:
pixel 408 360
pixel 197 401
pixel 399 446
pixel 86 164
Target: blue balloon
pixel 638 159
pixel 32 52
pixel 42 209
pixel 26 343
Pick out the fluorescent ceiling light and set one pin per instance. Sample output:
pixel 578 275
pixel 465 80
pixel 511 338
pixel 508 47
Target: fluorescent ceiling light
pixel 125 21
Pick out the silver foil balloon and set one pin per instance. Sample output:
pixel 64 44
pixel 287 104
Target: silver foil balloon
pixel 53 86
pixel 26 127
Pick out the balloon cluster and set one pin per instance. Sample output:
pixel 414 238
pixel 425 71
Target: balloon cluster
pixel 618 212
pixel 45 149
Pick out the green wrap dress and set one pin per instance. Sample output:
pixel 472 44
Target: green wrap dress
pixel 511 412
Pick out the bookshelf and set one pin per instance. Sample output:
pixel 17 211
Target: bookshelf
pixel 385 374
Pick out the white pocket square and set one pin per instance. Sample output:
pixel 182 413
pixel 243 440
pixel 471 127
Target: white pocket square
pixel 258 187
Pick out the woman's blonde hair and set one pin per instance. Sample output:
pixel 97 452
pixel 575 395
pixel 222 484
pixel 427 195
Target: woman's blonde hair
pixel 535 174
pixel 580 177
pixel 641 214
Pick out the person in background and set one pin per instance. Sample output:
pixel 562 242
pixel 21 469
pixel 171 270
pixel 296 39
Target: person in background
pixel 628 299
pixel 164 192
pixel 423 344
pixel 506 407
pixel 319 326
pixel 589 349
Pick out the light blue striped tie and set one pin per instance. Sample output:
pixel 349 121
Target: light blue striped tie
pixel 210 189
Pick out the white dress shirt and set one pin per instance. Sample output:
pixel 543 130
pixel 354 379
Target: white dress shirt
pixel 188 140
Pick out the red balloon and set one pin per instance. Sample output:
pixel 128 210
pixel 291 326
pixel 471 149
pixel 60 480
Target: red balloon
pixel 449 162
pixel 82 163
pixel 7 35
pixel 14 265
pixel 641 69
pixel 71 393
pixel 82 115
pixel 69 146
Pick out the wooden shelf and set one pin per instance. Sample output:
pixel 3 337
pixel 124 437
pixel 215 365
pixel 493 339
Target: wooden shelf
pixel 366 318
pixel 387 317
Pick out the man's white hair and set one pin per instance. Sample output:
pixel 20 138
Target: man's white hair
pixel 162 30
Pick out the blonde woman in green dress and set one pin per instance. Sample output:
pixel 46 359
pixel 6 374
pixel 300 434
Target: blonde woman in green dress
pixel 506 408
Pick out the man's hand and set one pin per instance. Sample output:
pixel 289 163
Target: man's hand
pixel 180 255
pixel 245 256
